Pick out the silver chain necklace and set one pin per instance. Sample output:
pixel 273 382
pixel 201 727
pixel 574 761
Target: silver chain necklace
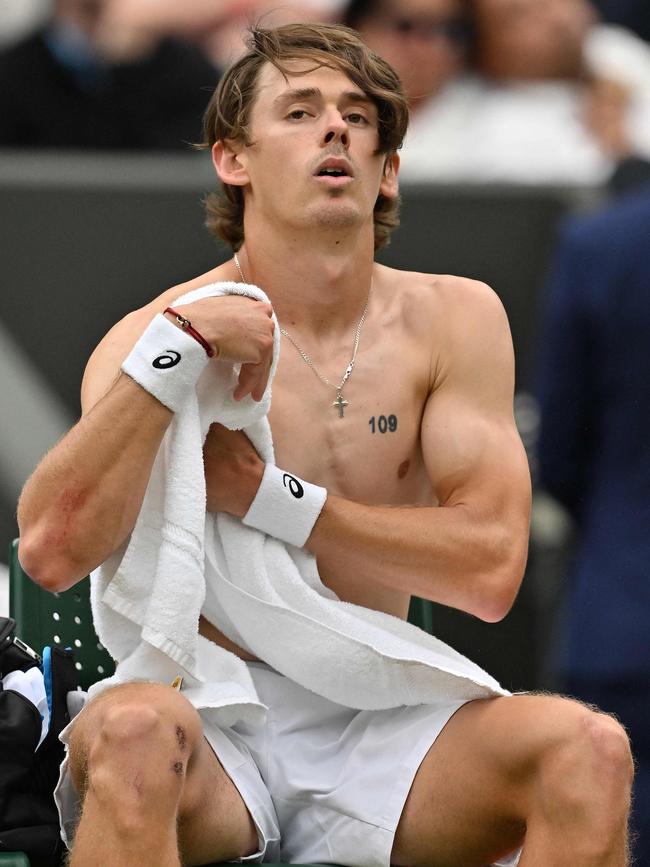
pixel 340 403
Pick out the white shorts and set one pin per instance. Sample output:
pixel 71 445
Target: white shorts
pixel 324 784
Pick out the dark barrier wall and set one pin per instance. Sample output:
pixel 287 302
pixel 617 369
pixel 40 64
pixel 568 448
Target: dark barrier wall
pixel 87 238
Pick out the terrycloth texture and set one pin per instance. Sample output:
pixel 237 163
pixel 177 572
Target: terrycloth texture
pixel 263 594
pixel 147 597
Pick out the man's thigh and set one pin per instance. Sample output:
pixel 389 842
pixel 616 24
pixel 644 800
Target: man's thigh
pixel 214 822
pixel 469 799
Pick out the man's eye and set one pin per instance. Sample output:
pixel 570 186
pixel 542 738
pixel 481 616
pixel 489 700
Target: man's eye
pixel 356 118
pixel 297 114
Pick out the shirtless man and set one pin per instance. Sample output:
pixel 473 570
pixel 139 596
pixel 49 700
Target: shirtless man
pixel 434 504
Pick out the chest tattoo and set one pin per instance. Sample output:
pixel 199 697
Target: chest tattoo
pixel 383 424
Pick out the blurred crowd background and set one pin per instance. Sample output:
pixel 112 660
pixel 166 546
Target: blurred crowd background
pixel 501 90
pixel 527 165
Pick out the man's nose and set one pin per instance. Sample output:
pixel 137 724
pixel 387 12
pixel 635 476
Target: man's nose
pixel 336 129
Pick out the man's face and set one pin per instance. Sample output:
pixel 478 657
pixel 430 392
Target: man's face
pixel 313 157
pixel 425 41
pixel 532 39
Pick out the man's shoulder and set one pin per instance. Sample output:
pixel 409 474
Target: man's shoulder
pixel 105 362
pixel 139 318
pixel 447 313
pixel 214 275
pixel 442 293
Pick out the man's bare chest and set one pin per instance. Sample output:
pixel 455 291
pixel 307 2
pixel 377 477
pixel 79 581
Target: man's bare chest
pixel 365 447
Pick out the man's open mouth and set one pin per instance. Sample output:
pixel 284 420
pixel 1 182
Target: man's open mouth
pixel 334 167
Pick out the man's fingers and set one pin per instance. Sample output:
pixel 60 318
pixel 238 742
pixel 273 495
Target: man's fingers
pixel 252 380
pixel 258 391
pixel 244 383
pixel 260 378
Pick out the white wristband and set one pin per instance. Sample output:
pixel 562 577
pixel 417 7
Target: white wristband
pixel 285 506
pixel 166 362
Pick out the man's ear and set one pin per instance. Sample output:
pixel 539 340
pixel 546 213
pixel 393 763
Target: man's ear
pixel 226 161
pixel 389 186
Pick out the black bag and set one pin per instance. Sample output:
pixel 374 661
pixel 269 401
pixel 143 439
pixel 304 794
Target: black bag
pixel 28 816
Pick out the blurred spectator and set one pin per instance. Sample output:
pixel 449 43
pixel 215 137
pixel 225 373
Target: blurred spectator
pixel 594 458
pixel 227 42
pixel 219 26
pixel 559 40
pixel 80 83
pixel 633 14
pixel 425 41
pixel 18 18
pixel 555 98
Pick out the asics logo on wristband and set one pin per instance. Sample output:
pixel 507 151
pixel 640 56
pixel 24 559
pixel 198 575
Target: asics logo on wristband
pixel 294 486
pixel 169 358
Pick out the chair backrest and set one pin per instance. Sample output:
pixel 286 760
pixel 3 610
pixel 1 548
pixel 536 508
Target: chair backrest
pixel 60 619
pixel 421 614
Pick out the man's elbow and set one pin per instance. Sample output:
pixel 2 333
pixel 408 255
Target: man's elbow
pixel 501 582
pixel 46 565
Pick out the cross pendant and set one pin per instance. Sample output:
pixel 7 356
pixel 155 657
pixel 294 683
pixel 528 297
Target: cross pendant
pixel 340 403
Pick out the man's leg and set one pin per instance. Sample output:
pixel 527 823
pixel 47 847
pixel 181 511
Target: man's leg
pixel 539 770
pixel 151 785
pixel 627 698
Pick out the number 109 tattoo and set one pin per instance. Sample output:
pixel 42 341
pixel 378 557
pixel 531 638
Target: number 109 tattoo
pixel 383 423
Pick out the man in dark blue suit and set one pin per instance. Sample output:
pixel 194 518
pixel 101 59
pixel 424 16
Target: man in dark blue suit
pixel 595 458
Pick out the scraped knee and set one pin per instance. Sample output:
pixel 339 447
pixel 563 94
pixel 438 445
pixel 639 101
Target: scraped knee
pixel 132 744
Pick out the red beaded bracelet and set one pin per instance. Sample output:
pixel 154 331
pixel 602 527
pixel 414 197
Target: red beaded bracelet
pixel 186 325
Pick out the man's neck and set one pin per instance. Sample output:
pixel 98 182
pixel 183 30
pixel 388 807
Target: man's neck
pixel 318 282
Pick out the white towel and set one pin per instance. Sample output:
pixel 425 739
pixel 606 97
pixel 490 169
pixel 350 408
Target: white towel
pixel 263 594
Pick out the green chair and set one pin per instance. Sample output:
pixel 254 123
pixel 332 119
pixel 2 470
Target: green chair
pixel 62 619
pixel 65 619
pixel 14 859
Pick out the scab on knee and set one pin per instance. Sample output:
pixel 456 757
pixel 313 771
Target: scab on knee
pixel 181 737
pixel 150 723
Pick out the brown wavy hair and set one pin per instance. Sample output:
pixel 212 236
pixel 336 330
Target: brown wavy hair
pixel 227 116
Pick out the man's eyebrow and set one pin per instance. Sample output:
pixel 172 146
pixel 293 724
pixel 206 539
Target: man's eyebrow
pixel 295 95
pixel 357 96
pixel 290 96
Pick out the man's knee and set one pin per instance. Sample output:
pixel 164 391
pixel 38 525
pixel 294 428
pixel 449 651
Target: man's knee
pixel 610 745
pixel 587 761
pixel 137 726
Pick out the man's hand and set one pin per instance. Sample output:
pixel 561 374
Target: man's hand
pixel 233 470
pixel 240 330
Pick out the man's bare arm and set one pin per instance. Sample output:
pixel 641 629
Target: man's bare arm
pixel 84 497
pixel 469 552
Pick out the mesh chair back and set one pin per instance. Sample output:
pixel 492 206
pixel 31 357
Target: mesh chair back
pixel 60 619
